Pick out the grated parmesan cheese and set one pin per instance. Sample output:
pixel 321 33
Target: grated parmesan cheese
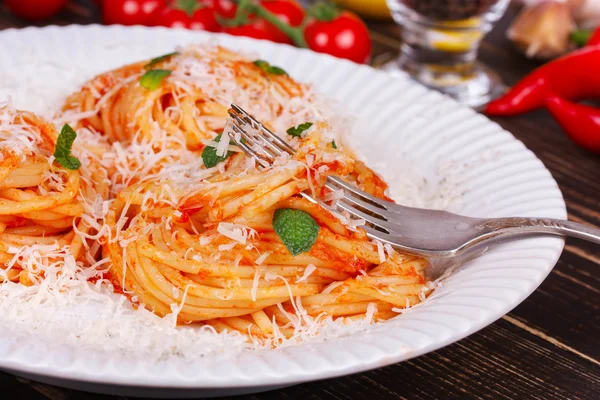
pixel 255 283
pixel 380 251
pixel 237 232
pixel 334 195
pixel 262 258
pixel 332 287
pixel 310 268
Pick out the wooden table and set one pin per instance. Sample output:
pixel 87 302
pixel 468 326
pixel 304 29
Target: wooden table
pixel 546 348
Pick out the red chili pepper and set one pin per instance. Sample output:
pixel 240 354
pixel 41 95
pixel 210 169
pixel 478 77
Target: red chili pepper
pixel 595 38
pixel 573 77
pixel 581 123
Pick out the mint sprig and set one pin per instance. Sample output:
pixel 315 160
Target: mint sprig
pixel 152 79
pixel 62 151
pixel 333 144
pixel 209 154
pixel 268 68
pixel 296 131
pixel 158 60
pixel 297 229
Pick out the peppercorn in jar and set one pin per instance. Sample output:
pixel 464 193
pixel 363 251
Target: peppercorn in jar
pixel 449 10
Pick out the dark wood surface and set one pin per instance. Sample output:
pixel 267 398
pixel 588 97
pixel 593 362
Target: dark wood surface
pixel 546 348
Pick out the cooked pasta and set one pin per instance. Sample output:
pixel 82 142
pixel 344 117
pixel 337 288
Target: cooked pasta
pixel 187 223
pixel 216 254
pixel 40 201
pixel 191 104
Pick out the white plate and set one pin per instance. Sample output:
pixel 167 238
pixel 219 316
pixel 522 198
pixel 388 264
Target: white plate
pixel 399 123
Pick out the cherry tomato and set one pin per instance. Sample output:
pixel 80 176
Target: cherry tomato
pixel 131 12
pixel 595 38
pixel 35 9
pixel 201 19
pixel 224 8
pixel 345 36
pixel 248 31
pixel 288 12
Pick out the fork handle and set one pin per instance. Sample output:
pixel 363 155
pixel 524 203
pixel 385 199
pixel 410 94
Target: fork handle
pixel 511 227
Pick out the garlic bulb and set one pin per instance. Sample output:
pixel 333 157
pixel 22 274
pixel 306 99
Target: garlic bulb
pixel 587 14
pixel 542 29
pixel 573 4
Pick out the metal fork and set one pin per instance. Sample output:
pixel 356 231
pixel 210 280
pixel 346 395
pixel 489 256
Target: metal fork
pixel 428 233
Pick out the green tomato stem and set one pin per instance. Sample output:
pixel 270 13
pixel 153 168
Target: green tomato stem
pixel 296 34
pixel 241 15
pixel 324 11
pixel 187 6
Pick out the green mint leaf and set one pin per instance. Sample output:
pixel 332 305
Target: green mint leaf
pixel 152 79
pixel 160 59
pixel 262 64
pixel 297 229
pixel 62 151
pixel 297 131
pixel 268 68
pixel 69 162
pixel 273 70
pixel 333 144
pixel 64 142
pixel 209 154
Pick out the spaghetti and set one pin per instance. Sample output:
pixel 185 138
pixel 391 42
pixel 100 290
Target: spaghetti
pixel 40 201
pixel 189 225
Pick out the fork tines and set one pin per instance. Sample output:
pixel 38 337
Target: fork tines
pixel 264 146
pixel 248 144
pixel 261 142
